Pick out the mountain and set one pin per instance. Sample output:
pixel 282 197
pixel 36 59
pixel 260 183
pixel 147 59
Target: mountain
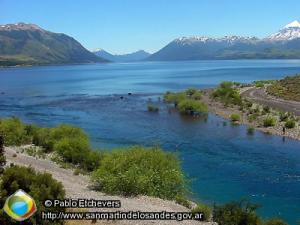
pixel 289 32
pixel 132 57
pixel 284 44
pixel 28 44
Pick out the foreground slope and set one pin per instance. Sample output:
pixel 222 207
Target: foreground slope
pixel 77 187
pixel 28 44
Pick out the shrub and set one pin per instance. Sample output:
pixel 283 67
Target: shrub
pixel 40 186
pixel 205 210
pixel 42 137
pixel 252 117
pixel 181 200
pixel 227 94
pixel 266 109
pixel 275 222
pixel 153 108
pixel 137 170
pixel 269 122
pixel 174 98
pixel 250 130
pixel 236 213
pixel 192 107
pixel 283 116
pixel 197 95
pixel 191 91
pixel 290 124
pixel 76 172
pixel 73 150
pixel 14 132
pixel 235 117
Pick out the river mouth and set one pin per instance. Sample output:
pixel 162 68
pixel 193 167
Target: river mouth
pixel 221 160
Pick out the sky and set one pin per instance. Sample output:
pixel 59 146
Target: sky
pixel 123 26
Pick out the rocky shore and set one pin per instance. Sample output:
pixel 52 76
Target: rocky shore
pixel 219 109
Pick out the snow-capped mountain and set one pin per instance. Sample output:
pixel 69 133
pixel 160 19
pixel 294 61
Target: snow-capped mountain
pixel 289 32
pixel 284 44
pixel 202 39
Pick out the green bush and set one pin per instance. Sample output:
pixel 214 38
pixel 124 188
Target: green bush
pixel 290 124
pixel 235 117
pixel 197 95
pixel 192 107
pixel 191 91
pixel 174 98
pixel 78 152
pixel 236 213
pixel 137 170
pixel 250 130
pixel 266 109
pixel 181 200
pixel 269 122
pixel 205 210
pixel 14 132
pixel 40 186
pixel 153 108
pixel 275 222
pixel 283 116
pixel 227 94
pixel 76 172
pixel 252 117
pixel 42 137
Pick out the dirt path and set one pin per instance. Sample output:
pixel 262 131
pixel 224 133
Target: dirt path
pixel 259 95
pixel 78 187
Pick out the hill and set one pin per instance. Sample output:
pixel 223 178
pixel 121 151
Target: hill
pixel 28 44
pixel 287 88
pixel 131 57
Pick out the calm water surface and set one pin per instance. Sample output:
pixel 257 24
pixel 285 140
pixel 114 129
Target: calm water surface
pixel 223 162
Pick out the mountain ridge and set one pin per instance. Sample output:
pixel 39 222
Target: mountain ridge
pixel 130 57
pixel 285 44
pixel 29 44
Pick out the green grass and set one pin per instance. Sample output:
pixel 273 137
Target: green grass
pixel 287 88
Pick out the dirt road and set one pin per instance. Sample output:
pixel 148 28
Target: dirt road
pixel 259 95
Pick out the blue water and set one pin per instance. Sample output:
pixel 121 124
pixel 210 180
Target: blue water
pixel 221 160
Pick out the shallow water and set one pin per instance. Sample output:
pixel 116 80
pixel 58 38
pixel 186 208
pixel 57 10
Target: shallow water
pixel 222 161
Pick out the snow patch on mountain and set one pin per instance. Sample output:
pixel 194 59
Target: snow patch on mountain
pixel 203 39
pixel 289 32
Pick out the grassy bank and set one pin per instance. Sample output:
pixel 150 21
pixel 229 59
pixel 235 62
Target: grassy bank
pixel 287 88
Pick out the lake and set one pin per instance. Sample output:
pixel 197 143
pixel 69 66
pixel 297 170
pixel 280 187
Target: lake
pixel 221 160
